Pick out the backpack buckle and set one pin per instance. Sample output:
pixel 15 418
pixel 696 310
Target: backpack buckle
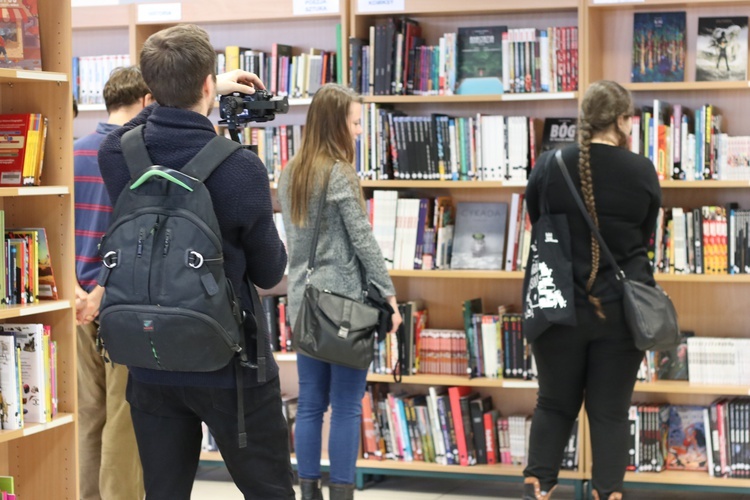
pixel 194 259
pixel 110 259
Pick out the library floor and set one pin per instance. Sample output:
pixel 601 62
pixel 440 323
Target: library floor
pixel 214 483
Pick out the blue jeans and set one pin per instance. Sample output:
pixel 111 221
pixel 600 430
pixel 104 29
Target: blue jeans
pixel 321 383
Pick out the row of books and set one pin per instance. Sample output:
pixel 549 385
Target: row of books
pixel 27 275
pixel 277 318
pixel 276 145
pixel 705 240
pixel 724 361
pixel 476 60
pixel 440 147
pixel 91 73
pixel 28 375
pixel 448 427
pixel 713 439
pixel 284 74
pixel 24 137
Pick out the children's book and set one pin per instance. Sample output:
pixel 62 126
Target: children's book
pixel 721 49
pixel 45 275
pixel 686 439
pixel 34 383
pixel 480 236
pixel 11 411
pixel 480 60
pixel 19 35
pixel 659 47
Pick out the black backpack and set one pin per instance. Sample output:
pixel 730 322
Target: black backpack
pixel 167 303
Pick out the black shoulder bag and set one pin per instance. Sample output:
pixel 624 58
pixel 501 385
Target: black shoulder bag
pixel 331 327
pixel 649 313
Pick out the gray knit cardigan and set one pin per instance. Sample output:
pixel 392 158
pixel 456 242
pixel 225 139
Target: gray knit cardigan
pixel 345 241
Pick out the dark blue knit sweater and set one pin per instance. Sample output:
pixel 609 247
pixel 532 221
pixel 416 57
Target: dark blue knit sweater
pixel 242 201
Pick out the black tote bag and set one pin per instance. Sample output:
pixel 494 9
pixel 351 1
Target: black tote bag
pixel 548 279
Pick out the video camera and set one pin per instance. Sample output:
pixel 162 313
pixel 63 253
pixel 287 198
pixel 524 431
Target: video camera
pixel 238 109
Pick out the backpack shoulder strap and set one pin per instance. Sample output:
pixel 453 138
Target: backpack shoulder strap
pixel 135 152
pixel 211 156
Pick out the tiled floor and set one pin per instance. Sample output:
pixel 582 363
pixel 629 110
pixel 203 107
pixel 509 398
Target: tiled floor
pixel 214 483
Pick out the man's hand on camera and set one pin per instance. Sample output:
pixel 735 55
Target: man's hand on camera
pixel 238 81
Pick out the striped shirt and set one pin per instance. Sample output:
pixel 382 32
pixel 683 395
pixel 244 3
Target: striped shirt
pixel 93 208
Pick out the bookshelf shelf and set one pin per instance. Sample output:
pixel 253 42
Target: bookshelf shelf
pixel 704 184
pixel 211 456
pixel 285 356
pixel 399 184
pixel 19 75
pixel 34 191
pixel 645 4
pixel 691 478
pixel 463 99
pixel 484 470
pixel 680 387
pixel 45 306
pixel 686 86
pixel 703 278
pixel 453 274
pixel 442 7
pixel 30 428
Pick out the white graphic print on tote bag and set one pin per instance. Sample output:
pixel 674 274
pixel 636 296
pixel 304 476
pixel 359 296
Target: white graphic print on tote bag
pixel 542 292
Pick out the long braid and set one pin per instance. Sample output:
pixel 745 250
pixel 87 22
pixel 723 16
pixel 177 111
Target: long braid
pixel 587 188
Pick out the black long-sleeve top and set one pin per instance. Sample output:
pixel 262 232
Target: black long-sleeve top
pixel 241 197
pixel 627 196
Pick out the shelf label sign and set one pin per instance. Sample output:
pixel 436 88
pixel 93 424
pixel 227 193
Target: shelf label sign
pixel 313 7
pixel 380 5
pixel 159 12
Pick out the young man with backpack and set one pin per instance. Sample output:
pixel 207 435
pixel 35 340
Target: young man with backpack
pixel 172 262
pixel 108 454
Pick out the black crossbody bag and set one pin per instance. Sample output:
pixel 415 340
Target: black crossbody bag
pixel 649 313
pixel 332 327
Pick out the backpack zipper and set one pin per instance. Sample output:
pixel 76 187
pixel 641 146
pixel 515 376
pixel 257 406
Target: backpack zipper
pixel 165 251
pixel 139 247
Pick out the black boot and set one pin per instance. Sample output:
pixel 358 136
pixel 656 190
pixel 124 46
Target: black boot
pixel 341 491
pixel 310 489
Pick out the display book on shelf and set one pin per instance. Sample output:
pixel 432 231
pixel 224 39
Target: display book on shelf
pixel 47 92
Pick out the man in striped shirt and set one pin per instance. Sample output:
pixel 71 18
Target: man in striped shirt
pixel 109 463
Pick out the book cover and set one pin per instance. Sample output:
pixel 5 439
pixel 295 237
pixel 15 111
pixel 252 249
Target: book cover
pixel 558 133
pixel 480 236
pixel 29 339
pixel 15 147
pixel 45 274
pixel 659 47
pixel 480 62
pixel 686 439
pixel 19 35
pixel 10 397
pixel 721 49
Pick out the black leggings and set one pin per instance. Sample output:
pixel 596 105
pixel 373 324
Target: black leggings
pixel 598 360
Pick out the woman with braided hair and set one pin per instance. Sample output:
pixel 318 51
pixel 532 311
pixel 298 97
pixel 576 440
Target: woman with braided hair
pixel 597 360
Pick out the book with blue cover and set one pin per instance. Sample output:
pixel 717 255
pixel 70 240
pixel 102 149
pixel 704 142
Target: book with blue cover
pixel 659 47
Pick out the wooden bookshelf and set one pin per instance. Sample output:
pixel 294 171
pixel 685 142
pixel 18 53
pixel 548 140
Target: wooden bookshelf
pixel 481 470
pixel 685 478
pixel 43 458
pixel 682 387
pixel 686 86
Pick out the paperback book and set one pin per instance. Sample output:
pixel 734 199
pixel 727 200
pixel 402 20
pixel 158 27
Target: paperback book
pixel 480 61
pixel 19 35
pixel 721 51
pixel 480 236
pixel 659 47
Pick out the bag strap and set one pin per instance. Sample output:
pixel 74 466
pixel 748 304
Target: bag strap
pixel 619 273
pixel 200 167
pixel 135 152
pixel 211 156
pixel 316 234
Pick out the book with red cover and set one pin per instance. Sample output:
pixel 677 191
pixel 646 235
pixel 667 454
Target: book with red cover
pixel 19 35
pixel 455 394
pixel 14 146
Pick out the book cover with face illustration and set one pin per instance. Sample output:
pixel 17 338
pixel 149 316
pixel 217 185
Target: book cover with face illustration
pixel 721 49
